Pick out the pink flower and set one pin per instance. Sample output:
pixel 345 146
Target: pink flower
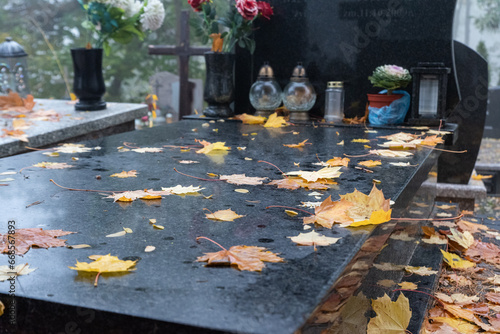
pixel 247 8
pixel 196 4
pixel 395 70
pixel 265 9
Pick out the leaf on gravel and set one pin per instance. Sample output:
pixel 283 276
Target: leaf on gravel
pixel 422 271
pixel 392 317
pixel 21 269
pixel 223 215
pixel 241 179
pixel 124 174
pixel 455 262
pixel 249 258
pixel 313 239
pixel 456 298
pixel 25 238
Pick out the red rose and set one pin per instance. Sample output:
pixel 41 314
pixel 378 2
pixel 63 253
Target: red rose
pixel 265 9
pixel 196 4
pixel 247 8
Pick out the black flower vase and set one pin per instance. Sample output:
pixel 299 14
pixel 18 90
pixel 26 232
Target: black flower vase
pixel 219 86
pixel 88 84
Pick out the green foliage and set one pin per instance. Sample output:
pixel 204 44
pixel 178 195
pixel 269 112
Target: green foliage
pixel 490 20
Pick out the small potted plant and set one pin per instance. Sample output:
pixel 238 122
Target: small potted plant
pixel 390 105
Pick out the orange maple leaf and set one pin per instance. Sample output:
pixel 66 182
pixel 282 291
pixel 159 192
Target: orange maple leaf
pixel 337 161
pixel 250 119
pixel 431 140
pixel 330 212
pixel 14 102
pixel 25 238
pixel 370 163
pixel 299 145
pixel 217 42
pixel 249 258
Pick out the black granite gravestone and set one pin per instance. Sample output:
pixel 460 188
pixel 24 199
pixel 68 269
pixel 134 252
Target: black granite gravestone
pixel 492 126
pixel 346 40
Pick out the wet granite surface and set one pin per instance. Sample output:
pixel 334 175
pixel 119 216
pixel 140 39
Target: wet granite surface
pixel 72 124
pixel 168 287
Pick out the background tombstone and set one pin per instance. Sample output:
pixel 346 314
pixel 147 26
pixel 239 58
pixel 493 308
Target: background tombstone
pixel 346 40
pixel 166 86
pixel 492 126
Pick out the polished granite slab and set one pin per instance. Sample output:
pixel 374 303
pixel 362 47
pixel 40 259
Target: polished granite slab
pixel 117 117
pixel 169 289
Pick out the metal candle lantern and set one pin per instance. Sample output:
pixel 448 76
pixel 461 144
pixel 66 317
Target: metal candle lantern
pixel 429 93
pixel 13 68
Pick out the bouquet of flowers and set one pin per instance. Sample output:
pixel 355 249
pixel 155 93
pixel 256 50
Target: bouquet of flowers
pixel 121 20
pixel 390 77
pixel 238 23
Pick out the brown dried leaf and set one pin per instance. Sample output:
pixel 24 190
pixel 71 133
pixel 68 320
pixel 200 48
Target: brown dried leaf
pixel 249 258
pixel 25 238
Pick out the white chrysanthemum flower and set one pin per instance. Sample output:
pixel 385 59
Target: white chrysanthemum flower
pixel 133 8
pixel 153 15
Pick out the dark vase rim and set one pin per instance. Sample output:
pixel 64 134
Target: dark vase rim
pixel 85 49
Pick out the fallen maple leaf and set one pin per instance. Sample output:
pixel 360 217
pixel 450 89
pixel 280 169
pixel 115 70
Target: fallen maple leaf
pixel 14 102
pixel 241 179
pixel 353 316
pixel 147 150
pixel 250 119
pixel 180 190
pixel 7 273
pixel 360 140
pixel 493 297
pixel 287 183
pixel 465 225
pixel 422 271
pixel 249 258
pixel 431 140
pixel 223 215
pixel 329 213
pixel 124 174
pixel 484 251
pixel 275 121
pixel 299 145
pixel 313 239
pixel 408 286
pixel 130 196
pixel 400 136
pixel 480 177
pixel 211 147
pixel 462 326
pixel 455 262
pixel 465 240
pixel 53 165
pixel 370 163
pixel 323 173
pixel 337 161
pixel 392 317
pixel 104 264
pixel 72 148
pixel 368 209
pixel 16 134
pixel 25 238
pixel 391 154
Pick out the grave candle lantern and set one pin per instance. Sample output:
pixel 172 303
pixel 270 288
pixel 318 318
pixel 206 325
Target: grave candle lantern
pixel 265 93
pixel 429 93
pixel 299 95
pixel 13 68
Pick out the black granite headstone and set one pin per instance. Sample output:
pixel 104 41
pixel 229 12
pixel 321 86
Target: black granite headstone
pixel 346 40
pixel 492 126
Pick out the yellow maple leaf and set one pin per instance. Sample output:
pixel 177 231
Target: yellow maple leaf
pixel 463 239
pixel 275 121
pixel 223 215
pixel 250 119
pixel 360 140
pixel 368 209
pixel 462 326
pixel 480 177
pixel 124 174
pixel 431 140
pixel 299 145
pixel 455 262
pixel 370 163
pixel 210 147
pixel 104 264
pixel 376 217
pixel 392 317
pixel 408 286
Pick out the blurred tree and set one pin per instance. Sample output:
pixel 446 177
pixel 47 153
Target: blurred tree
pixel 483 51
pixel 490 20
pixel 42 25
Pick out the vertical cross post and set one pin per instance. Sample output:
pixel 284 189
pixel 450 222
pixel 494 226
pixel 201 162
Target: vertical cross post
pixel 183 50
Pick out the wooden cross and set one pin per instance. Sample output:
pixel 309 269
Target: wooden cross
pixel 183 51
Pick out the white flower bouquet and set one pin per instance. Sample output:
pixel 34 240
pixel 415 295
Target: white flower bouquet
pixel 121 20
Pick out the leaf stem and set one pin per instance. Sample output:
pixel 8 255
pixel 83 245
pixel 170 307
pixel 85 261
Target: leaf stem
pixel 127 144
pixel 198 238
pixel 195 177
pixel 96 279
pixel 74 189
pixel 274 167
pixel 442 150
pixel 429 219
pixel 357 156
pixel 288 207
